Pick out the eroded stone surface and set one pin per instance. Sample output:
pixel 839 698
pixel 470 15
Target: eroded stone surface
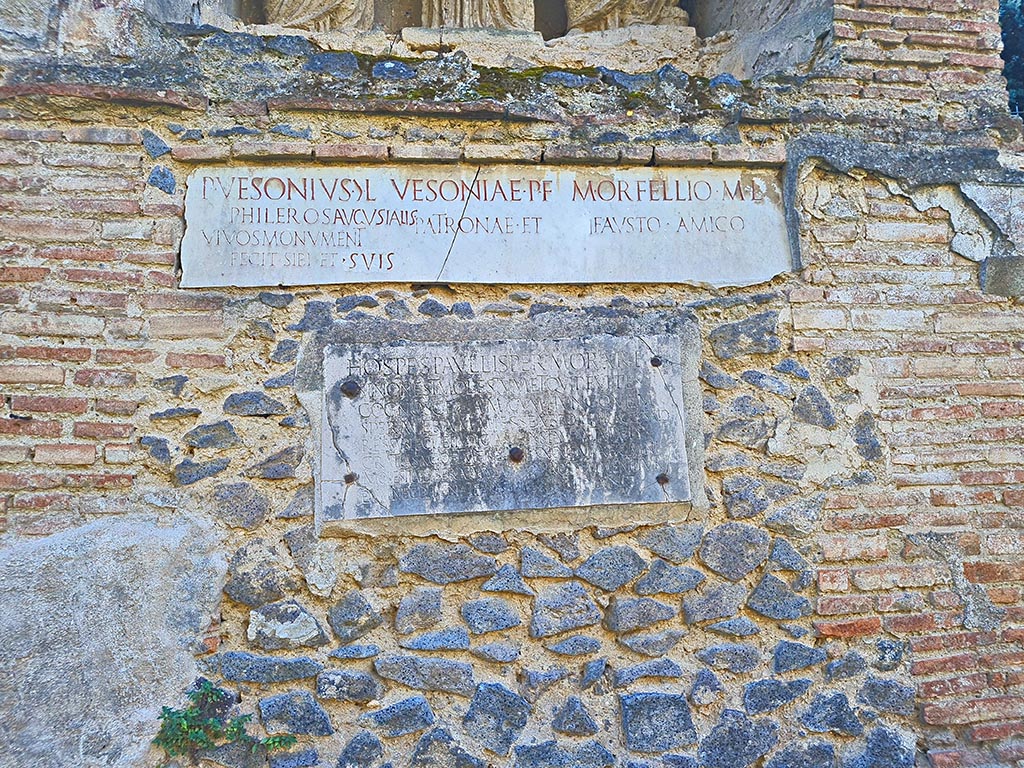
pixel 56 597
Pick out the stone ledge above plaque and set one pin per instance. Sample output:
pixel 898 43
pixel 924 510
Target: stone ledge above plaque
pixel 577 410
pixel 307 225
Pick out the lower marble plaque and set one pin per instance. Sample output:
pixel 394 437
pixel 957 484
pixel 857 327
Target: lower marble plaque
pixel 414 427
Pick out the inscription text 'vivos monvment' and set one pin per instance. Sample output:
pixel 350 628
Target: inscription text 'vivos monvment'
pixel 435 428
pixel 494 224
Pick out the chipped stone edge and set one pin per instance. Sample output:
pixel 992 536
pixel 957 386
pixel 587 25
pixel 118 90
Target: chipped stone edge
pixel 550 325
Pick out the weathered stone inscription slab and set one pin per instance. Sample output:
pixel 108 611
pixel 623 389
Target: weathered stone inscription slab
pixel 494 224
pixel 416 428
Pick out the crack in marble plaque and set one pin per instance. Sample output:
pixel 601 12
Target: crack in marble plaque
pixel 414 428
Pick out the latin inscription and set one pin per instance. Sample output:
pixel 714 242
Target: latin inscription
pixel 297 226
pixel 442 428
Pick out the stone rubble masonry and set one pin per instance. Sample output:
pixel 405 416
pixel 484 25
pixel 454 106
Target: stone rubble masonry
pixel 864 420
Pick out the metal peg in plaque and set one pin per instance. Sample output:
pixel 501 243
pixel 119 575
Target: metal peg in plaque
pixel 413 428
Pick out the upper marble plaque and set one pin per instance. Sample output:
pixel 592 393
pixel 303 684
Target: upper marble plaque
pixel 493 224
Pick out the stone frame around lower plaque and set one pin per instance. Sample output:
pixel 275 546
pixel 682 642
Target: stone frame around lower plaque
pixel 639 397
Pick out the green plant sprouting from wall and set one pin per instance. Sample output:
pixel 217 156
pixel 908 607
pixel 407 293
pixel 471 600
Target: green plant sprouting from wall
pixel 206 724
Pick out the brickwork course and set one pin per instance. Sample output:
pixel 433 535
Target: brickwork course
pixel 864 415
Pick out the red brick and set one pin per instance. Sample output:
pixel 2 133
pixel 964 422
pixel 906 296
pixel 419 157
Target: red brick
pixel 1013 497
pixel 41 500
pixel 1002 410
pixel 116 407
pixel 22 274
pixel 988 573
pixel 196 301
pixel 844 604
pixel 973 710
pixel 992 477
pixel 72 253
pixel 31 374
pixel 105 276
pixel 186 326
pixel 29 427
pixel 125 355
pixel 97 377
pixel 61 354
pixel 102 430
pixel 953 686
pixel 849 628
pixel 64 454
pixel 854 547
pixel 997 731
pixel 47 404
pixel 102 135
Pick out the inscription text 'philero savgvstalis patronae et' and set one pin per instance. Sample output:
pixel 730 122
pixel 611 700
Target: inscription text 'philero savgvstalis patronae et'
pixel 315 226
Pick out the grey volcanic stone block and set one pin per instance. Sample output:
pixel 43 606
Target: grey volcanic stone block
pixel 887 696
pixel 496 717
pixel 784 557
pixel 446 564
pixel 866 438
pixel 257 575
pixel 706 688
pixel 533 682
pixel 798 519
pixel 427 674
pixel 304 758
pixel 403 717
pixel 663 578
pixel 812 407
pixel 355 652
pixel 284 625
pixel 294 712
pixel 217 435
pixel 592 672
pixel 562 608
pixel 631 613
pixel 573 719
pixel 850 665
pixel 565 545
pixel 242 667
pixel 789 656
pixel 253 404
pixel 577 645
pixel 886 748
pixel 733 550
pixel 362 751
pixel 278 465
pixel 66 669
pixel 674 543
pixel 489 614
pixel 507 579
pixel 718 602
pixel 831 713
pixel 766 695
pixel 189 472
pixel 339 684
pixel 757 334
pixel 240 505
pixel 816 754
pixel 352 617
pixel 547 754
pixel 741 626
pixel 656 722
pixel 420 609
pixel 653 644
pixel 535 564
pixel 592 755
pixel 501 653
pixel 437 749
pixel 737 741
pixel 661 668
pixel 773 598
pixel 734 657
pixel 451 639
pixel 612 567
